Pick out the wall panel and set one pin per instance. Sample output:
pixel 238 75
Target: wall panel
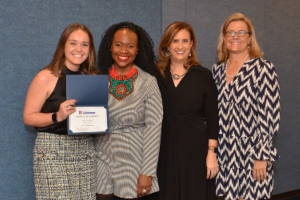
pixel 281 45
pixel 29 33
pixel 277 28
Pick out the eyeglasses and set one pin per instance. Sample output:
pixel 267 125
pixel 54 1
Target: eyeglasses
pixel 239 33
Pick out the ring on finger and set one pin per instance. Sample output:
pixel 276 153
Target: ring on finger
pixel 144 191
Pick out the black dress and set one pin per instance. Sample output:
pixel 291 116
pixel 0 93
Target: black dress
pixel 190 119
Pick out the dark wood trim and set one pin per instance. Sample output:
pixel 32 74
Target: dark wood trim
pixel 291 195
pixel 287 195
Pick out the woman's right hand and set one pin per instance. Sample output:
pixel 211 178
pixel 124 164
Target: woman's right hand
pixel 39 90
pixel 65 109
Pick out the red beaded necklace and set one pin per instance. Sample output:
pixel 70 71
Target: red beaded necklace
pixel 122 85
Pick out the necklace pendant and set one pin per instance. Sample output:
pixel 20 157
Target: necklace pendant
pixel 176 76
pixel 122 85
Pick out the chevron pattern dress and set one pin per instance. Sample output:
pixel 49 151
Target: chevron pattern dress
pixel 249 115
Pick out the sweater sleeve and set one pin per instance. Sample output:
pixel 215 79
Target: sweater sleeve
pixel 152 131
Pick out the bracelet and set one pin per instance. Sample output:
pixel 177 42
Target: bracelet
pixel 213 149
pixel 54 118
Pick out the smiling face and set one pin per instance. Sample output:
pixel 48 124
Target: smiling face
pixel 77 49
pixel 124 48
pixel 236 44
pixel 180 46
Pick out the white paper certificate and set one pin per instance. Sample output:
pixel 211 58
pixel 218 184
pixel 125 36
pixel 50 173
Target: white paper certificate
pixel 88 119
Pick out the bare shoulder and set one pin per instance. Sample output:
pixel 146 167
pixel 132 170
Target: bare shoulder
pixel 43 83
pixel 45 76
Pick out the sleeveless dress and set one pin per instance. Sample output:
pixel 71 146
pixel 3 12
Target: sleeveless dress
pixel 64 166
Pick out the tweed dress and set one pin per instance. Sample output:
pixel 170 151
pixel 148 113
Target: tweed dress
pixel 249 115
pixel 132 146
pixel 64 166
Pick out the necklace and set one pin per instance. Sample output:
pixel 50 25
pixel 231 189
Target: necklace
pixel 230 76
pixel 177 76
pixel 122 85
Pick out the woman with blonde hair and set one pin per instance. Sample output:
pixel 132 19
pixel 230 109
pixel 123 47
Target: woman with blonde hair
pixel 249 113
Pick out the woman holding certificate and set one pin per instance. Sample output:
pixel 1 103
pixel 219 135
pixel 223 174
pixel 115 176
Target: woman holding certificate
pixel 64 166
pixel 128 155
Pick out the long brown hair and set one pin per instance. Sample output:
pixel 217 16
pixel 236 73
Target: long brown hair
pixel 57 63
pixel 254 50
pixel 166 40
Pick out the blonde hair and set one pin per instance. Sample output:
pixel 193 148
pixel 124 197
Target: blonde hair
pixel 254 49
pixel 166 40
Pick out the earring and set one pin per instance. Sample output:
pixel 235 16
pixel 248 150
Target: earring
pixel 190 54
pixel 168 53
pixel 248 45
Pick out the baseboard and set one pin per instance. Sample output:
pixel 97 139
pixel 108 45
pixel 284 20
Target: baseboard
pixel 287 195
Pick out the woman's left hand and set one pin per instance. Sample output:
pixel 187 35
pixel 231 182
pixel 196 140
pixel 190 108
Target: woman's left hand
pixel 260 170
pixel 212 165
pixel 144 185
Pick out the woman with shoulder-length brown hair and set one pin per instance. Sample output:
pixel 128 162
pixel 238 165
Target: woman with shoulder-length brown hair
pixel 249 113
pixel 163 52
pixel 64 166
pixel 58 62
pixel 187 161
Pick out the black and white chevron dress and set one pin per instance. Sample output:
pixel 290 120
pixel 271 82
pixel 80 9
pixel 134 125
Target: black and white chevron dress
pixel 249 111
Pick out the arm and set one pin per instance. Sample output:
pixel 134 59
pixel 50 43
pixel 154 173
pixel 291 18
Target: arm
pixel 211 159
pixel 39 90
pixel 212 121
pixel 152 133
pixel 268 103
